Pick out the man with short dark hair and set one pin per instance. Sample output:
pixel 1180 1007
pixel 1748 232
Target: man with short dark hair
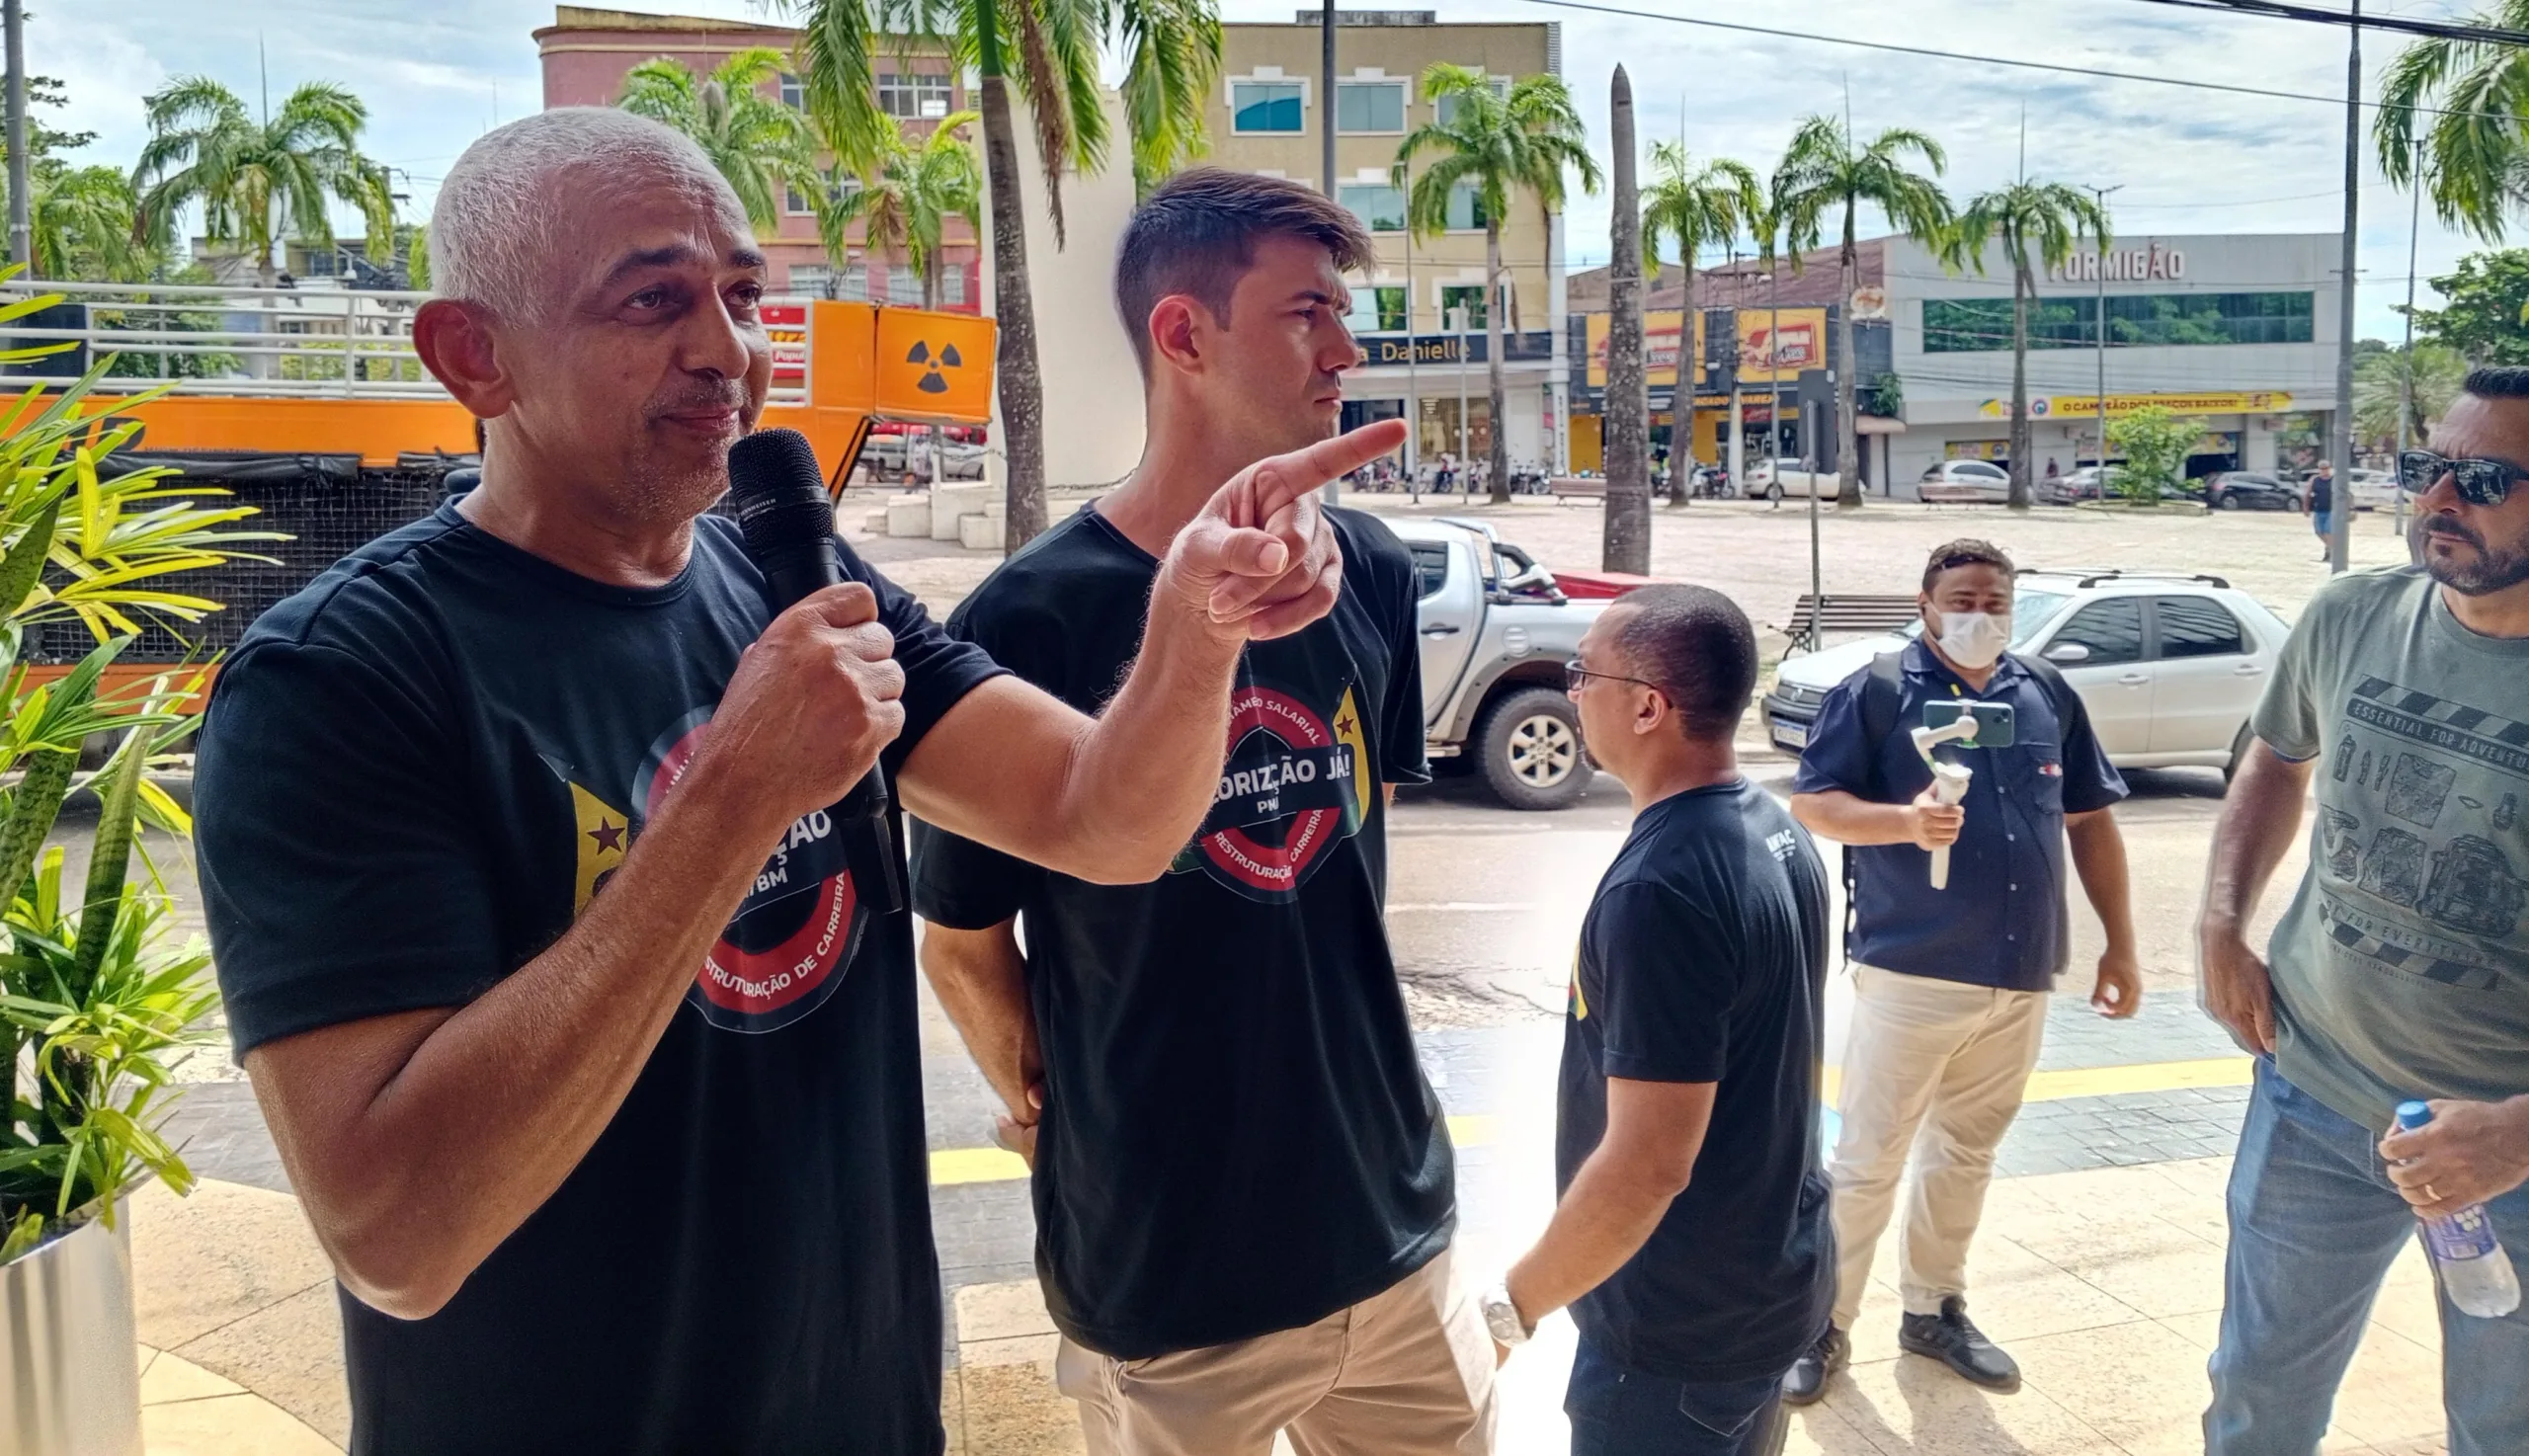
pixel 594 1068
pixel 2401 971
pixel 1243 1183
pixel 1950 985
pixel 1692 1239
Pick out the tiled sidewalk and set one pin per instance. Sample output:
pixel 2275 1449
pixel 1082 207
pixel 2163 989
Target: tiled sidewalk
pixel 2105 1283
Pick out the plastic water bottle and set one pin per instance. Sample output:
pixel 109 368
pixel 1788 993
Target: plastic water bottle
pixel 2474 1271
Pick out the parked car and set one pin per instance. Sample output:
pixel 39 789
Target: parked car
pixel 956 461
pixel 1496 632
pixel 2250 490
pixel 1968 482
pixel 2088 483
pixel 1773 479
pixel 2376 490
pixel 2169 665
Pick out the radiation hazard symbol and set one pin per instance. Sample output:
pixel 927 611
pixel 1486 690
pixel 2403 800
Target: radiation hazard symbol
pixel 933 381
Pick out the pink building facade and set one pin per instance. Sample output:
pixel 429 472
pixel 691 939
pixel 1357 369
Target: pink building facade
pixel 586 53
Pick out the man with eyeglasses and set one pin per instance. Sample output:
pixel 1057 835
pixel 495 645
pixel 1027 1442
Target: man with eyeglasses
pixel 1691 1240
pixel 2401 969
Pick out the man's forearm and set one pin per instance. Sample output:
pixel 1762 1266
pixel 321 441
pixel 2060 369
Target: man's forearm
pixel 1144 774
pixel 2260 817
pixel 1606 1217
pixel 1850 819
pixel 982 982
pixel 467 1126
pixel 2098 857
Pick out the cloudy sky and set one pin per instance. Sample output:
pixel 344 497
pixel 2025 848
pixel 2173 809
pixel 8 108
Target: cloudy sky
pixel 436 73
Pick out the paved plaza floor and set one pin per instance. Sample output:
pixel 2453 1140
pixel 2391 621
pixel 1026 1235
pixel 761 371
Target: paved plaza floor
pixel 2099 1264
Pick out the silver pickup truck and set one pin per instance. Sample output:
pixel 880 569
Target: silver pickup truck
pixel 1496 633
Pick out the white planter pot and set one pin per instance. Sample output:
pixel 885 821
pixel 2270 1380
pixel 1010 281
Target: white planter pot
pixel 69 1379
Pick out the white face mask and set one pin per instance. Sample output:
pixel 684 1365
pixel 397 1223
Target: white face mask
pixel 1973 639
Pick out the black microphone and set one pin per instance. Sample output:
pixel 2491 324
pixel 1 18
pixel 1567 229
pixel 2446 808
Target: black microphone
pixel 788 520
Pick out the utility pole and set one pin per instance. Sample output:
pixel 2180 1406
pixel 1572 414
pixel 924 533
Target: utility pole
pixel 2406 390
pixel 2098 248
pixel 1625 530
pixel 1326 151
pixel 2340 534
pixel 22 240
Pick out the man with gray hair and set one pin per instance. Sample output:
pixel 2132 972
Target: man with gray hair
pixel 476 807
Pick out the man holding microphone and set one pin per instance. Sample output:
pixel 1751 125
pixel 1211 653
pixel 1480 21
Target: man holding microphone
pixel 597 1079
pixel 1950 984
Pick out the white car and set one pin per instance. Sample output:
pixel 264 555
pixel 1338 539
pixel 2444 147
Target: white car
pixel 1773 479
pixel 2376 490
pixel 1965 482
pixel 2169 665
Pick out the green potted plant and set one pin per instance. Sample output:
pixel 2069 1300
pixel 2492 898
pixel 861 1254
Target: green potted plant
pixel 97 1003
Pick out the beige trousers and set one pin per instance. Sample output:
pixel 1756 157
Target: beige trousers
pixel 1937 1067
pixel 1406 1372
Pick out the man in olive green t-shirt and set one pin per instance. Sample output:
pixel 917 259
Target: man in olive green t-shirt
pixel 2401 968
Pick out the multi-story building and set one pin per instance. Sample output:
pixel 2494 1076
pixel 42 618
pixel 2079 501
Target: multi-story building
pixel 586 53
pixel 2239 331
pixel 1407 306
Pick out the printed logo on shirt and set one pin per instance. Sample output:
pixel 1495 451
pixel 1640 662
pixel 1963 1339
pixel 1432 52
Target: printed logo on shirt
pixel 786 949
pixel 1295 783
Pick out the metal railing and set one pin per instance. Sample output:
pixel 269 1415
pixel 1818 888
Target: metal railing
pixel 297 343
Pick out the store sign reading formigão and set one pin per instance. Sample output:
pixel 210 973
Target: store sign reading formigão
pixel 2122 265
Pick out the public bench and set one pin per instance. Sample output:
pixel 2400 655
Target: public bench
pixel 1848 612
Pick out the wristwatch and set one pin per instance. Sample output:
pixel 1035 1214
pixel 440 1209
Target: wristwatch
pixel 1501 1316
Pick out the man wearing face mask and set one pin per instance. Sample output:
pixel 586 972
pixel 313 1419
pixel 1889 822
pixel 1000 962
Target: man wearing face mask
pixel 1951 985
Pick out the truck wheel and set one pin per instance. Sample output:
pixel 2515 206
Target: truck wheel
pixel 1530 742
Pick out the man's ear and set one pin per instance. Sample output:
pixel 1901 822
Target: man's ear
pixel 1654 712
pixel 455 340
pixel 1176 326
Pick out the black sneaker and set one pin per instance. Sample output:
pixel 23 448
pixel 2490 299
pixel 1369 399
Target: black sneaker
pixel 1951 1339
pixel 1806 1378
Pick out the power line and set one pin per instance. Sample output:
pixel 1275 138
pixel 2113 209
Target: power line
pixel 2439 29
pixel 1990 61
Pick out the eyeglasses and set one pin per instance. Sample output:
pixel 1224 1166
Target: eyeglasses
pixel 1575 675
pixel 2479 482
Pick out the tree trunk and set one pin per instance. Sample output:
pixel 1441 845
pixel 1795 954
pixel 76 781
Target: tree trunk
pixel 1022 394
pixel 1848 459
pixel 1501 453
pixel 2023 432
pixel 1682 406
pixel 1626 533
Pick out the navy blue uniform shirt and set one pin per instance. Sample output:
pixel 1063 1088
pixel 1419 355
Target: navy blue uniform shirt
pixel 2002 921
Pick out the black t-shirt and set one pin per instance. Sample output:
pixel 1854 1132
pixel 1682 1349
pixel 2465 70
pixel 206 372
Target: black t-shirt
pixel 1236 1136
pixel 413 775
pixel 1705 959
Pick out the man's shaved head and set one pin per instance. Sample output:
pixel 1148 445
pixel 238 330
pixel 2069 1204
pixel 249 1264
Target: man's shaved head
pixel 495 224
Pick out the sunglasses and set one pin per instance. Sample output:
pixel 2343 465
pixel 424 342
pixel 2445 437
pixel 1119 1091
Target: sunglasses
pixel 2479 482
pixel 1575 675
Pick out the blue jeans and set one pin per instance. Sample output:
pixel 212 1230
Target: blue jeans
pixel 1617 1411
pixel 2314 1224
pixel 2324 521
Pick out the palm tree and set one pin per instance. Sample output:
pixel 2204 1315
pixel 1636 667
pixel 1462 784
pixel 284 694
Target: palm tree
pixel 2379 389
pixel 760 146
pixel 254 178
pixel 83 223
pixel 2476 155
pixel 1172 53
pixel 1493 145
pixel 1823 169
pixel 904 206
pixel 2037 223
pixel 1701 207
pixel 1626 529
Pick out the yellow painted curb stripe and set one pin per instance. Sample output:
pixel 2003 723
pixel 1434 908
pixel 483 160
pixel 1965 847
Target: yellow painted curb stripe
pixel 1474 1130
pixel 1000 1166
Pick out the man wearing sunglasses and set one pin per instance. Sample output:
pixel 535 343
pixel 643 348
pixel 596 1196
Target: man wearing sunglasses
pixel 2401 968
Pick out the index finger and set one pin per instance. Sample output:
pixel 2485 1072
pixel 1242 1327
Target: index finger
pixel 842 604
pixel 1284 479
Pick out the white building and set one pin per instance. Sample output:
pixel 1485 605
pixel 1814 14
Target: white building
pixel 2238 330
